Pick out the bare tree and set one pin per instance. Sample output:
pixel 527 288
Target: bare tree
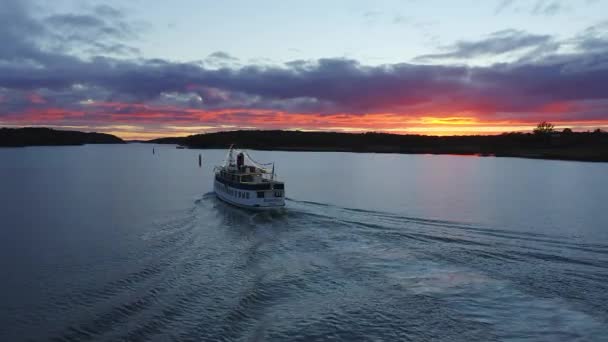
pixel 544 128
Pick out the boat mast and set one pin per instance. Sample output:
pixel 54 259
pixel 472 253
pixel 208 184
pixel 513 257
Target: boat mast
pixel 272 175
pixel 229 159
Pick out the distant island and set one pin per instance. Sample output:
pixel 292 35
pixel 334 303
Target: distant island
pixel 34 136
pixel 543 144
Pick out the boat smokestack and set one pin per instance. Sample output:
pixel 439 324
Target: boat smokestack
pixel 240 160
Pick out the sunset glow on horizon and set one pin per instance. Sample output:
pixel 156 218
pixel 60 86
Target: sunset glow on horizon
pixel 144 122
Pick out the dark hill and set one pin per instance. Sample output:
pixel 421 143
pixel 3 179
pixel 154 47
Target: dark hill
pixel 568 146
pixel 30 136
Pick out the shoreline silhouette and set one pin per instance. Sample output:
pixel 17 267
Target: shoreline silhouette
pixel 567 145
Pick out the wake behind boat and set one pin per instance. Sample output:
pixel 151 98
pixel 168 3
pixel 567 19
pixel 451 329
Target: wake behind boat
pixel 245 183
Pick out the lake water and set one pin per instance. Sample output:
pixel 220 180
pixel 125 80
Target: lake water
pixel 112 242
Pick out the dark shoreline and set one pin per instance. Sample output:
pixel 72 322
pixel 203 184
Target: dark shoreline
pixel 35 136
pixel 567 146
pixel 587 146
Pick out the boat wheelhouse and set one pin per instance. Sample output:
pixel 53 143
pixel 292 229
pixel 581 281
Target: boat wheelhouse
pixel 245 183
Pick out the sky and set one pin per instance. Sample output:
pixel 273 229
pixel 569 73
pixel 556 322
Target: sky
pixel 148 69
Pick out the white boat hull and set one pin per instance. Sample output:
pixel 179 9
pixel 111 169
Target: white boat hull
pixel 249 198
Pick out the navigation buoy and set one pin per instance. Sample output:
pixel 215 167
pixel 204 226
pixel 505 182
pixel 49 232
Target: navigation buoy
pixel 200 160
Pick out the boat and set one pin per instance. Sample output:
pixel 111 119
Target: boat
pixel 245 183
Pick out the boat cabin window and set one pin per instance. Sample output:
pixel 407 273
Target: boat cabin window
pixel 260 194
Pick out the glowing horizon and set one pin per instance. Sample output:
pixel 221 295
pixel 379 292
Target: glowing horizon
pixel 153 123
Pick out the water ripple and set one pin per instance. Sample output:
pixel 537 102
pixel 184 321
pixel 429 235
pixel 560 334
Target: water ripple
pixel 316 272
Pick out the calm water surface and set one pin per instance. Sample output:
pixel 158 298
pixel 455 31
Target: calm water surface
pixel 115 243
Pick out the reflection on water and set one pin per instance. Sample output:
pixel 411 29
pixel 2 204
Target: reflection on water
pixel 112 243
